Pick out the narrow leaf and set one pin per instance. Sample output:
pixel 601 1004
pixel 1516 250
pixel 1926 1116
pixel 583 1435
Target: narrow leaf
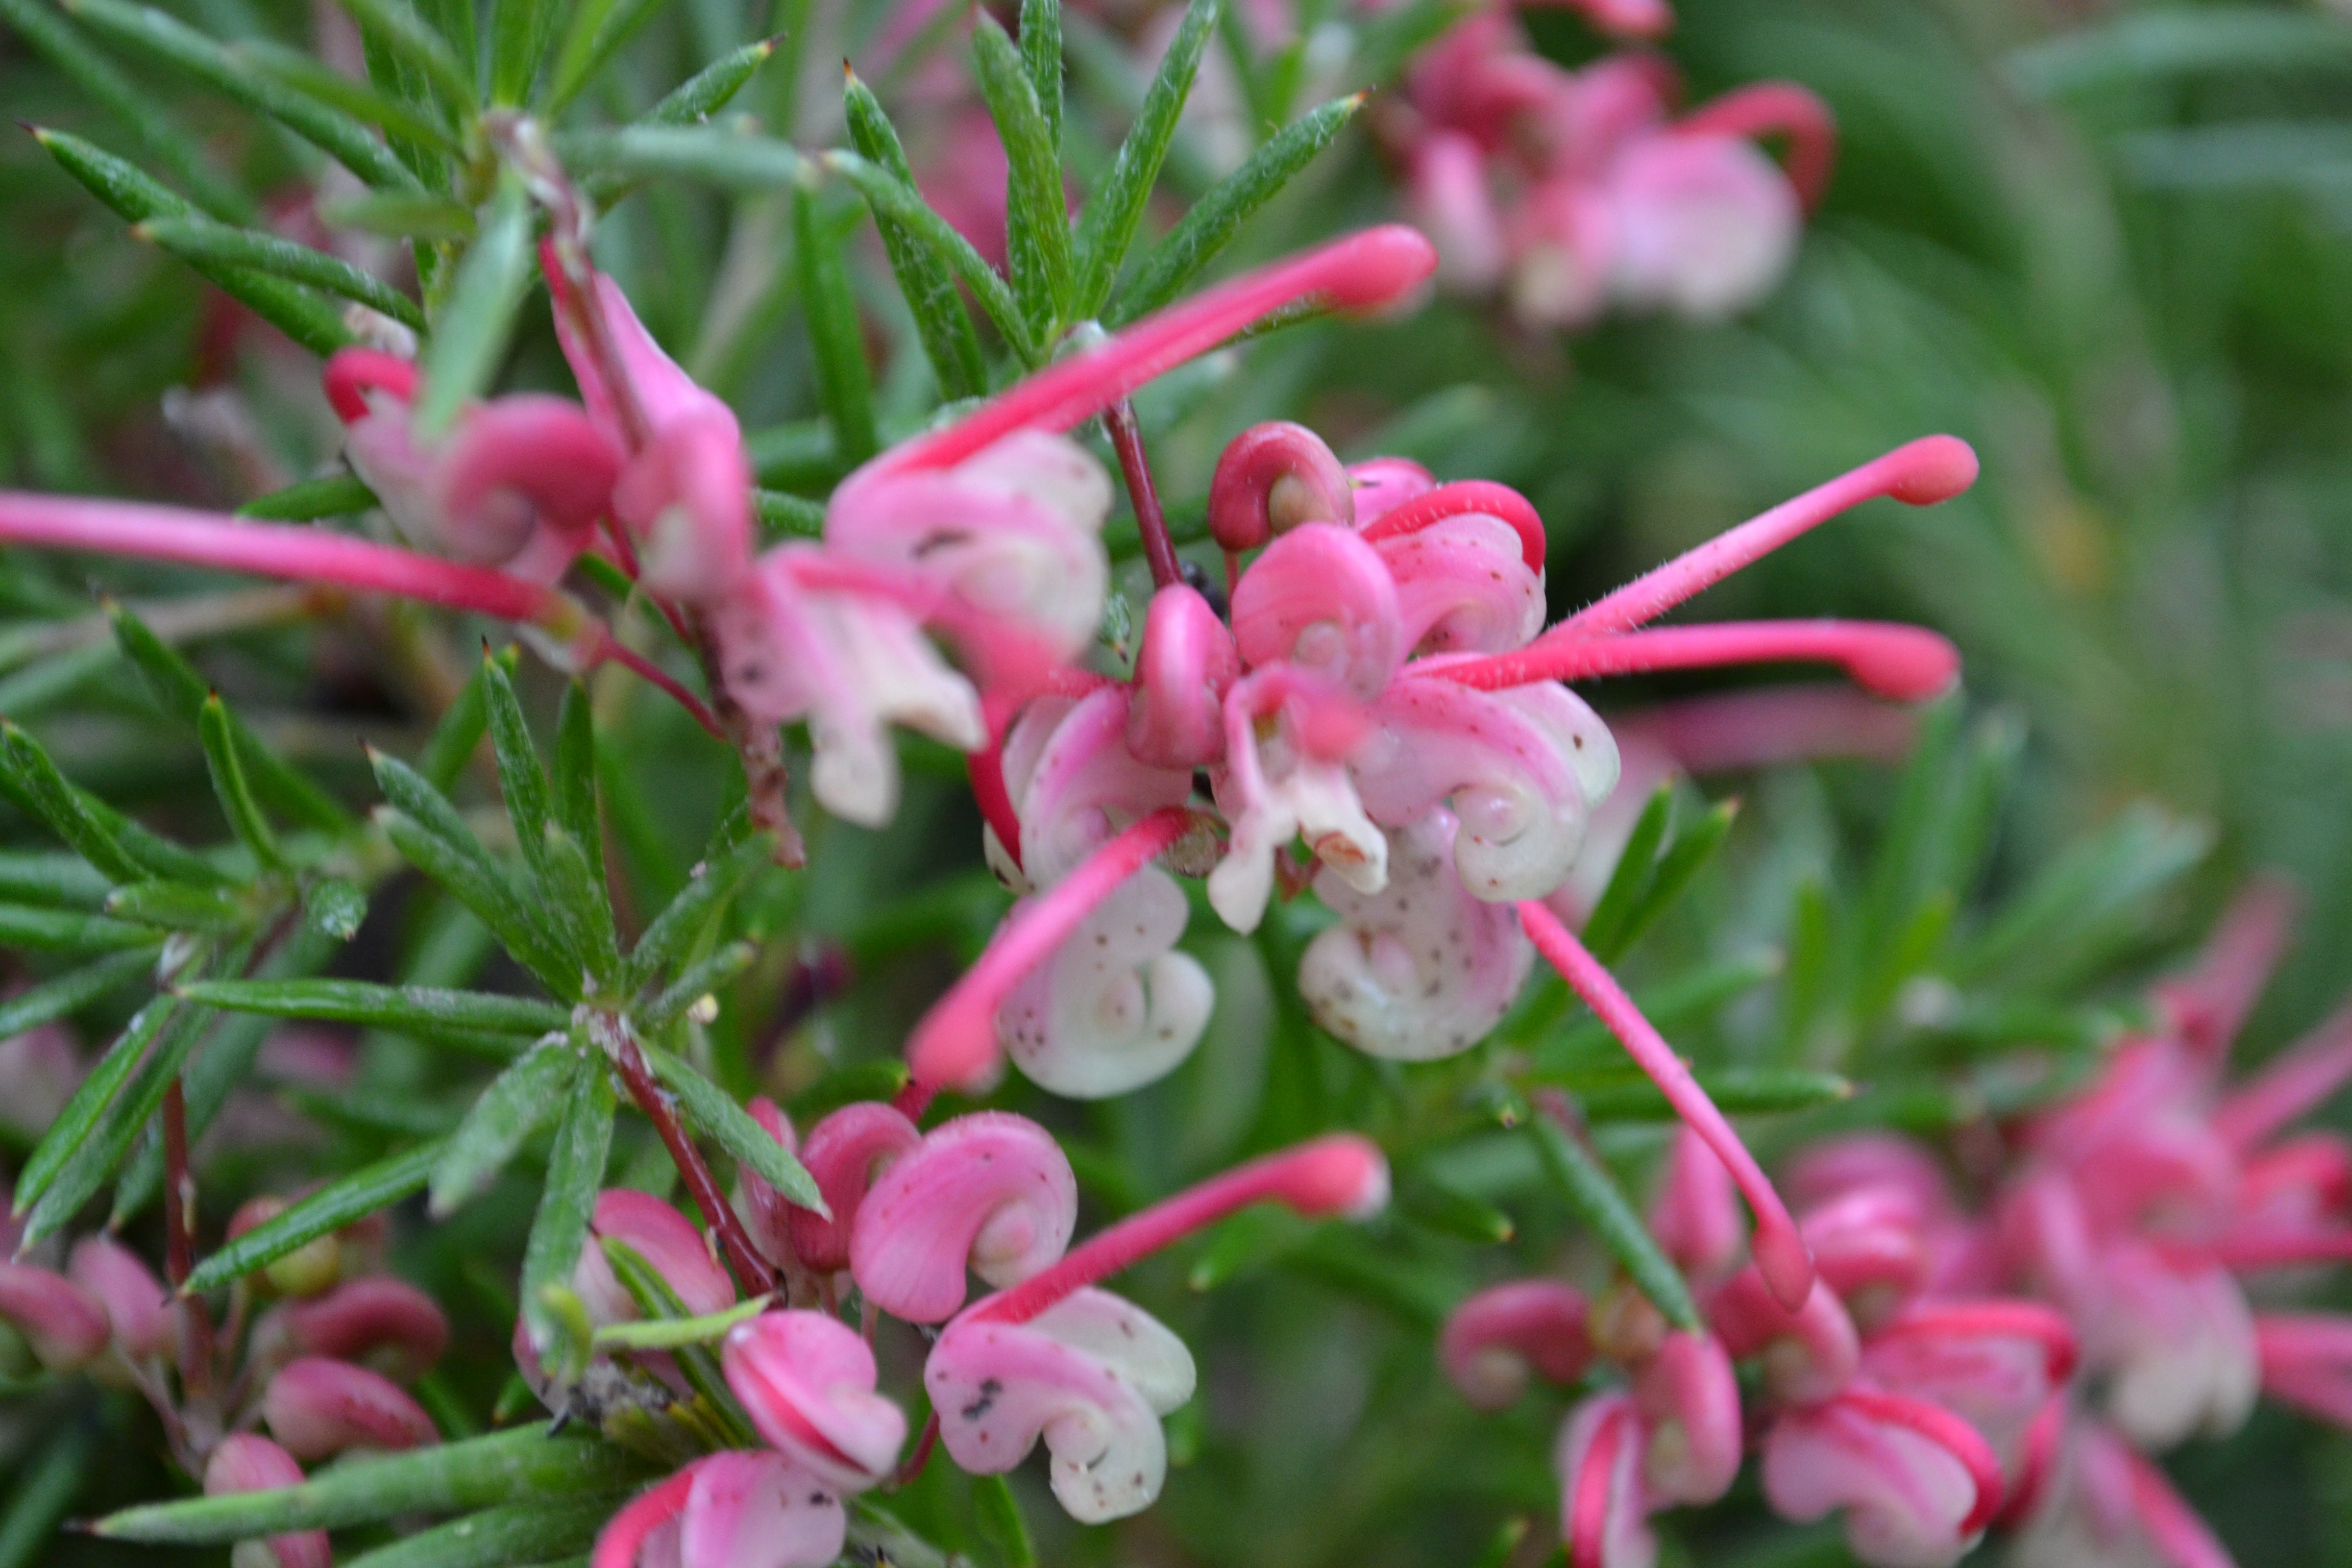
pixel 845 381
pixel 601 28
pixel 1000 1524
pixel 420 216
pixel 237 802
pixel 1635 864
pixel 418 46
pixel 96 1158
pixel 523 780
pixel 521 32
pixel 712 88
pixel 728 159
pixel 72 991
pixel 1435 1206
pixel 1216 217
pixel 941 320
pixel 46 1483
pixel 1595 1197
pixel 579 902
pixel 90 1099
pixel 575 777
pixel 1036 216
pixel 671 1334
pixel 1115 210
pixel 60 808
pixel 452 742
pixel 191 238
pixel 520 1100
pixel 714 1110
pixel 299 314
pixel 795 517
pixel 1736 1091
pixel 575 1172
pixel 178 905
pixel 478 886
pixel 394 1007
pixel 698 980
pixel 470 336
pixel 330 495
pixel 338 1204
pixel 1682 862
pixel 412 123
pixel 888 195
pixel 503 1469
pixel 1041 54
pixel 675 931
pixel 67 931
pixel 543 1532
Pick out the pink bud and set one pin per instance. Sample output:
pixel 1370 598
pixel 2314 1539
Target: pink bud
pixel 65 1325
pixel 1689 1402
pixel 137 1306
pixel 1496 1337
pixel 759 1511
pixel 1696 1215
pixel 1320 598
pixel 1184 667
pixel 370 1317
pixel 1917 1483
pixel 319 1408
pixel 668 1242
pixel 1808 1354
pixel 767 1212
pixel 1091 1374
pixel 844 1153
pixel 246 1463
pixel 991 1189
pixel 807 1382
pixel 1603 1519
pixel 1271 479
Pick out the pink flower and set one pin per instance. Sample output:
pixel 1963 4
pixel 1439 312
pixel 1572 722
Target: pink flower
pixel 317 1408
pixel 991 1192
pixel 1917 1483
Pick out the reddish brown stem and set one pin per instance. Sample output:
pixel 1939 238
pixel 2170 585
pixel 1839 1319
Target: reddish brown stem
pixel 1126 439
pixel 924 1442
pixel 180 1243
pixel 755 1276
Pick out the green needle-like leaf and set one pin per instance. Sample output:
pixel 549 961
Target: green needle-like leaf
pixel 68 930
pixel 795 517
pixel 72 991
pixel 478 886
pixel 299 314
pixel 1115 210
pixel 888 195
pixel 1636 865
pixel 1736 1091
pixel 96 1158
pixel 1000 1524
pixel 179 906
pixel 285 788
pixel 243 813
pixel 1683 862
pixel 1041 53
pixel 90 1101
pixel 575 1174
pixel 1595 1197
pixel 941 319
pixel 470 336
pixel 504 1469
pixel 672 1333
pixel 1435 1206
pixel 394 1007
pixel 712 88
pixel 522 779
pixel 714 1110
pixel 163 139
pixel 676 930
pixel 426 219
pixel 1216 217
pixel 549 1532
pixel 44 1491
pixel 1036 215
pixel 411 122
pixel 845 381
pixel 731 159
pixel 530 1094
pixel 195 237
pixel 173 41
pixel 575 777
pixel 521 32
pixel 698 980
pixel 330 495
pixel 420 48
pixel 45 791
pixel 597 32
pixel 338 1204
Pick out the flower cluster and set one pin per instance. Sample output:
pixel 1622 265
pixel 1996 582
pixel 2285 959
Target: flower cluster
pixel 1045 1357
pixel 1573 193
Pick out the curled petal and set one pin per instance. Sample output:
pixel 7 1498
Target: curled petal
pixel 1014 529
pixel 244 1462
pixel 1689 1401
pixel 991 1191
pixel 759 1511
pixel 351 375
pixel 1463 586
pixel 1603 1517
pixel 686 499
pixel 64 1323
pixel 1383 484
pixel 370 1318
pixel 1322 599
pixel 1419 970
pixel 669 1243
pixel 1115 1007
pixel 1563 241
pixel 806 1380
pixel 1092 1375
pixel 845 1152
pixel 1077 783
pixel 1494 1340
pixel 1917 1483
pixel 1995 1364
pixel 318 1408
pixel 1522 771
pixel 1808 1354
pixel 138 1308
pixel 1184 666
pixel 1272 477
pixel 1697 1215
pixel 1426 508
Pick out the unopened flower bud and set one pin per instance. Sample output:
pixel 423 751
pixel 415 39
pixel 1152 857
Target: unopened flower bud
pixel 1271 479
pixel 249 1463
pixel 318 1408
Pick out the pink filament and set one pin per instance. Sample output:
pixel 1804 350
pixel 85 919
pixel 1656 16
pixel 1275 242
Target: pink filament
pixel 624 1535
pixel 955 1045
pixel 1781 1257
pixel 1781 107
pixel 1918 473
pixel 2209 1003
pixel 1465 497
pixel 1948 1431
pixel 2171 1524
pixel 1362 272
pixel 1336 1174
pixel 291 555
pixel 611 648
pixel 1904 663
pixel 1588 1512
pixel 2301 1078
